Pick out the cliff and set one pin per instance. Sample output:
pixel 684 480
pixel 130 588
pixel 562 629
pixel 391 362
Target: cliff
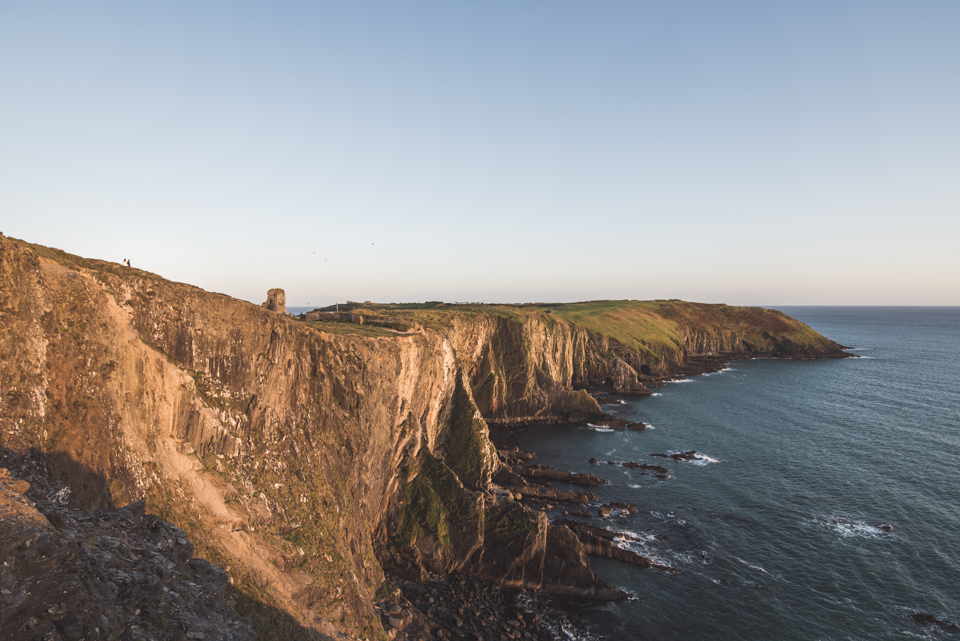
pixel 303 457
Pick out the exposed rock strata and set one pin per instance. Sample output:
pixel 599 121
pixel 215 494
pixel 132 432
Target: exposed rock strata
pixel 624 379
pixel 296 455
pixel 533 491
pixel 597 541
pixel 545 471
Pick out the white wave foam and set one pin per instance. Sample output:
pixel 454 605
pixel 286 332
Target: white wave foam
pixel 599 428
pixel 850 528
pixel 649 427
pixel 553 620
pixel 719 371
pixel 751 565
pixel 681 380
pixel 667 517
pixel 637 535
pixel 632 486
pixel 702 558
pixel 656 394
pixel 656 558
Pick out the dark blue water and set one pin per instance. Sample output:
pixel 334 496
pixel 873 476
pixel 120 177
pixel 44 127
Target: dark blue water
pixel 785 536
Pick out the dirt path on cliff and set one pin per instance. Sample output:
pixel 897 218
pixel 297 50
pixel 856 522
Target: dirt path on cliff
pixel 223 523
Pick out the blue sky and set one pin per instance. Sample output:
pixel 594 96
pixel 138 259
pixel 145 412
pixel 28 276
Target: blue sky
pixel 742 152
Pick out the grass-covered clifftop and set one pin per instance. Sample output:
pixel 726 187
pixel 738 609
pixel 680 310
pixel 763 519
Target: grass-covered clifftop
pixel 655 339
pixel 297 453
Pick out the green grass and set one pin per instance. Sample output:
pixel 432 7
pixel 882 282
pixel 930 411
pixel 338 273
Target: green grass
pixel 421 508
pixel 346 329
pixel 465 444
pixel 658 331
pixel 634 324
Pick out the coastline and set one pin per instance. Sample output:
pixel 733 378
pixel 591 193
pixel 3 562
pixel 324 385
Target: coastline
pixel 311 457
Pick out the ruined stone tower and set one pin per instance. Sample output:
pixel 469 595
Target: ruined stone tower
pixel 276 301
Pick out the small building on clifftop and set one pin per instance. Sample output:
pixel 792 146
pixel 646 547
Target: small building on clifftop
pixel 276 301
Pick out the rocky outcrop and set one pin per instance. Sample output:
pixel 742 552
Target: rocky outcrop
pixel 601 542
pixel 683 457
pixel 534 491
pixel 623 379
pixel 545 471
pixel 303 459
pixel 933 622
pixel 634 465
pixel 579 527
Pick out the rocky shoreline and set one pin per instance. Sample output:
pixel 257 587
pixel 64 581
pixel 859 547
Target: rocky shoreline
pixel 458 607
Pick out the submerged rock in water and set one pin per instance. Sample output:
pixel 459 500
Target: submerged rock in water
pixel 643 466
pixel 924 618
pixel 682 456
pixel 617 423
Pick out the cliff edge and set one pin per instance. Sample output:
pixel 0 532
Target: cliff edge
pixel 304 457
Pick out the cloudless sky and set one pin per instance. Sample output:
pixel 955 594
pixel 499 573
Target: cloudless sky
pixel 740 152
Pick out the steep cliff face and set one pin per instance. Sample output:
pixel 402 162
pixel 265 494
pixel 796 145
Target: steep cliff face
pixel 294 453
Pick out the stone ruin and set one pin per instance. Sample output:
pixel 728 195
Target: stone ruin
pixel 276 301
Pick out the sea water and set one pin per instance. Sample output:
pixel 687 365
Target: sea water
pixel 828 504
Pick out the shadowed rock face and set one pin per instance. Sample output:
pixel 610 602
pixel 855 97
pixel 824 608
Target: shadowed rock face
pixel 624 379
pixel 295 456
pixel 103 574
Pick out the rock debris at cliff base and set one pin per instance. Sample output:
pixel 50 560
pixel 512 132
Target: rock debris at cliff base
pixel 458 607
pixel 103 575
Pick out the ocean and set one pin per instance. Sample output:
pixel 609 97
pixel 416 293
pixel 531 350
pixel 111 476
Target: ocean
pixel 827 505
